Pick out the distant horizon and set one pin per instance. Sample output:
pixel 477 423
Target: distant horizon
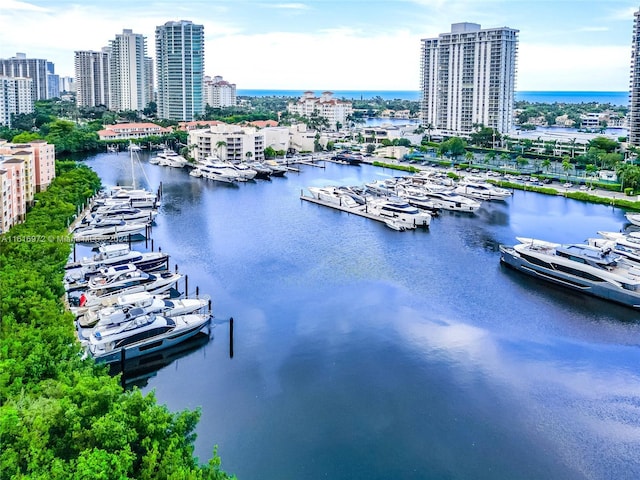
pixel 405 90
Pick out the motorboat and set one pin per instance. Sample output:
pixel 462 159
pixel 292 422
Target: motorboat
pixel 119 277
pixel 123 211
pixel 481 191
pixel 153 283
pixel 134 197
pixel 217 170
pixel 109 255
pixel 242 170
pixel 143 335
pixel 634 218
pixel 169 158
pixel 589 269
pixel 262 171
pixel 396 225
pixel 119 231
pixel 418 199
pixel 448 200
pixel 277 170
pixel 145 261
pixel 354 192
pixel 399 210
pixel 333 196
pixel 144 304
pixel 382 187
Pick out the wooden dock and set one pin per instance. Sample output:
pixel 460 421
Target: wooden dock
pixel 360 210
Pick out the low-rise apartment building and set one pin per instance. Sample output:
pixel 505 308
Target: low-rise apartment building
pixel 25 169
pixel 234 143
pixel 335 111
pixel 128 131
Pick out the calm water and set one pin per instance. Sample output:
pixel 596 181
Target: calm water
pixel 365 353
pixel 614 98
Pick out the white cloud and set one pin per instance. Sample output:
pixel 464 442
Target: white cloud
pixel 571 67
pixel 16 5
pixel 288 6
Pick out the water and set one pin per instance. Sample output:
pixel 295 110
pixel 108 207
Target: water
pixel 614 98
pixel 365 353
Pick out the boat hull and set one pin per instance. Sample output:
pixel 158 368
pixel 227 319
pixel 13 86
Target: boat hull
pixel 600 289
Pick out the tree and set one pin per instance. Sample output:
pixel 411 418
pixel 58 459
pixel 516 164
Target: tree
pixel 248 155
pixel 590 171
pixel 485 137
pixel 468 156
pixel 521 162
pixel 220 145
pixel 566 166
pixel 546 164
pixel 269 152
pixel 604 143
pixel 370 148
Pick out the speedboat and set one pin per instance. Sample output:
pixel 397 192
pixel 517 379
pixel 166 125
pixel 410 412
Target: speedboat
pixel 134 197
pixel 142 335
pixel 277 170
pixel 449 200
pixel 119 254
pixel 399 210
pixel 122 211
pixel 242 170
pixel 262 171
pixel 592 270
pixel 214 169
pixel 482 191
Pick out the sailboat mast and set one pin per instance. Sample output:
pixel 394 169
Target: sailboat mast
pixel 133 169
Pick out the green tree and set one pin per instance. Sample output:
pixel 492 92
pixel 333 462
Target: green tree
pixel 546 164
pixel 566 166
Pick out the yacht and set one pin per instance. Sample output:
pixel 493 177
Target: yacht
pixel 398 210
pixel 481 191
pixel 120 230
pixel 585 268
pixel 242 170
pixel 120 277
pixel 123 211
pixel 169 158
pixel 142 335
pixel 418 199
pixel 277 170
pixel 634 218
pixel 134 197
pixel 333 196
pixel 119 254
pixel 262 171
pixel 214 169
pixel 134 305
pixel 448 200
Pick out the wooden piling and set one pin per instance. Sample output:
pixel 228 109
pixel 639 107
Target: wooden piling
pixel 231 337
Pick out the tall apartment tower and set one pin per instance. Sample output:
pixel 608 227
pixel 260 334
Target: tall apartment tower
pixel 92 78
pixel 219 93
pixel 128 75
pixel 33 68
pixel 468 78
pixel 15 98
pixel 180 70
pixel 634 97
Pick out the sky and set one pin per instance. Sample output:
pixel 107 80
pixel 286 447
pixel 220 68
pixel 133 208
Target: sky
pixel 564 45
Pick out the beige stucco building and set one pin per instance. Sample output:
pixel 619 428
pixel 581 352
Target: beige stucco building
pixel 335 111
pixel 234 143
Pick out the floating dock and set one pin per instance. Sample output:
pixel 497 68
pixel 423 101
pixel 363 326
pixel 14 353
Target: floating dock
pixel 360 210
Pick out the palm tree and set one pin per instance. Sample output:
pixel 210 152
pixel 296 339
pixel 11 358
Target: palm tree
pixel 220 145
pixel 546 164
pixel 428 127
pixel 469 157
pixel 590 170
pixel 248 155
pixel 566 166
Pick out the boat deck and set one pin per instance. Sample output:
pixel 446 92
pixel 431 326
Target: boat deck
pixel 360 210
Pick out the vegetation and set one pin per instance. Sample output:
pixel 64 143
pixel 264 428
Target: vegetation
pixel 61 416
pixel 396 166
pixel 551 111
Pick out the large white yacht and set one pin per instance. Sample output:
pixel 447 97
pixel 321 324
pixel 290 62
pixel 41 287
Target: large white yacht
pixel 169 158
pixel 398 210
pixel 142 335
pixel 448 200
pixel 334 196
pixel 585 268
pixel 481 190
pixel 215 169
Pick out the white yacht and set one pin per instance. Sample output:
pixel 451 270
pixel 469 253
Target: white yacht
pixel 122 211
pixel 142 335
pixel 277 170
pixel 134 197
pixel 214 169
pixel 588 269
pixel 634 218
pixel 169 158
pixel 399 210
pixel 144 303
pixel 118 254
pixel 242 170
pixel 481 190
pixel 334 196
pixel 119 231
pixel 448 200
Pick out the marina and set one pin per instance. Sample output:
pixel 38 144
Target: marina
pixel 360 352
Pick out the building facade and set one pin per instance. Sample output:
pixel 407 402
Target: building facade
pixel 468 79
pixel 634 97
pixel 180 70
pixel 33 68
pixel 219 93
pixel 233 143
pixel 92 78
pixel 127 131
pixel 15 98
pixel 128 73
pixel 334 111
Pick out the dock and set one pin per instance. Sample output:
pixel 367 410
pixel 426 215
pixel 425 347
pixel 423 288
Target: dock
pixel 360 210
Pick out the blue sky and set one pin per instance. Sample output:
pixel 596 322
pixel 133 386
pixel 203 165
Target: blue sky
pixel 339 45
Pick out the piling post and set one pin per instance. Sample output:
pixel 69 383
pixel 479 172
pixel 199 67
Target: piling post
pixel 123 357
pixel 231 337
pixel 74 251
pixel 186 286
pixel 176 268
pixel 197 292
pixel 152 244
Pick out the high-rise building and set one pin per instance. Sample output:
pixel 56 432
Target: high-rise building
pixel 53 81
pixel 148 67
pixel 92 78
pixel 128 75
pixel 180 70
pixel 33 68
pixel 15 98
pixel 468 79
pixel 67 84
pixel 219 93
pixel 634 97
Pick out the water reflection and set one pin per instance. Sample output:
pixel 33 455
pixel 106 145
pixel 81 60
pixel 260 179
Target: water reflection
pixel 360 352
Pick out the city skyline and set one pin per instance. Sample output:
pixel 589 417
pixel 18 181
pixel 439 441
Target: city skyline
pixel 348 45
